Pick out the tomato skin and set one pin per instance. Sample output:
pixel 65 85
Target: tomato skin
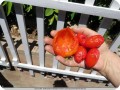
pixel 65 43
pixel 94 41
pixel 80 55
pixel 81 38
pixel 92 57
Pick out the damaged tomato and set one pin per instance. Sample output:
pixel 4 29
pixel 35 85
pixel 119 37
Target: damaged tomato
pixel 80 55
pixel 81 38
pixel 65 43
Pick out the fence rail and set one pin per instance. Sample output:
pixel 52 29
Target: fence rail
pixel 86 9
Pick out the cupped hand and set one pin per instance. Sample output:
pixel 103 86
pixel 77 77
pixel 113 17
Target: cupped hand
pixel 100 65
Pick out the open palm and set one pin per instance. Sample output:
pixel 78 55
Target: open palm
pixel 88 32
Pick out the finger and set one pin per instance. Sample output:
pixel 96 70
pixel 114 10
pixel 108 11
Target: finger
pixel 49 48
pixel 48 40
pixel 63 61
pixel 53 32
pixel 88 32
pixel 71 63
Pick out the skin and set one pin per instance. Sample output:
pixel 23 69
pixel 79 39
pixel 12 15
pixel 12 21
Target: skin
pixel 107 65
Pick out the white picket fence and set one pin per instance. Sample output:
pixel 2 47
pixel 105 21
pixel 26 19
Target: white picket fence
pixel 86 9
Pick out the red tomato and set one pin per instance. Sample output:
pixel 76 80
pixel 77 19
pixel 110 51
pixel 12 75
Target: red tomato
pixel 80 55
pixel 94 41
pixel 92 57
pixel 65 43
pixel 81 38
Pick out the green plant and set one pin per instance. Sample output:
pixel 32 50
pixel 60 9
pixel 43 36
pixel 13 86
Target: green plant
pixel 51 14
pixel 27 8
pixel 72 15
pixel 8 6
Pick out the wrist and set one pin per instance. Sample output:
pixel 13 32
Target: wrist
pixel 105 69
pixel 111 69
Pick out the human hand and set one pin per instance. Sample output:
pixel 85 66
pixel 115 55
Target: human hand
pixel 100 65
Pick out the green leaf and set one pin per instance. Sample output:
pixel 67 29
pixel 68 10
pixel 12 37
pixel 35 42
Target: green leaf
pixel 4 3
pixel 56 10
pixel 100 18
pixel 51 20
pixel 72 15
pixel 28 8
pixel 49 12
pixel 56 17
pixel 9 7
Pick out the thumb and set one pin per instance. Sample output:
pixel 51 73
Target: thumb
pixel 84 30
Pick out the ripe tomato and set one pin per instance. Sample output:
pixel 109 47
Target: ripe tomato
pixel 65 43
pixel 80 55
pixel 92 57
pixel 94 41
pixel 81 38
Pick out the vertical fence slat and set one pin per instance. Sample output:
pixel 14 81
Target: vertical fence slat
pixel 40 30
pixel 3 58
pixel 84 18
pixel 106 22
pixel 21 24
pixel 89 2
pixel 60 25
pixel 81 70
pixel 83 21
pixel 55 63
pixel 104 25
pixel 61 19
pixel 93 72
pixel 115 44
pixel 6 31
pixel 114 4
pixel 67 68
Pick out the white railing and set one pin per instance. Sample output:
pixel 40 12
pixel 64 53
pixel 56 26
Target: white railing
pixel 86 9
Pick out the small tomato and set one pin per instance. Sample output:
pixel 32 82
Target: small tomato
pixel 92 57
pixel 80 55
pixel 81 38
pixel 94 41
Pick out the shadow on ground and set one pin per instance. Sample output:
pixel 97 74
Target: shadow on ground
pixel 59 83
pixel 3 81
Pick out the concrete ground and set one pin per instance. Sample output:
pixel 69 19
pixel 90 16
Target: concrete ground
pixel 22 78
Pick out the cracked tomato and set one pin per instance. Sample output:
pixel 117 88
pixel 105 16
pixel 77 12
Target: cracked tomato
pixel 65 43
pixel 80 55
